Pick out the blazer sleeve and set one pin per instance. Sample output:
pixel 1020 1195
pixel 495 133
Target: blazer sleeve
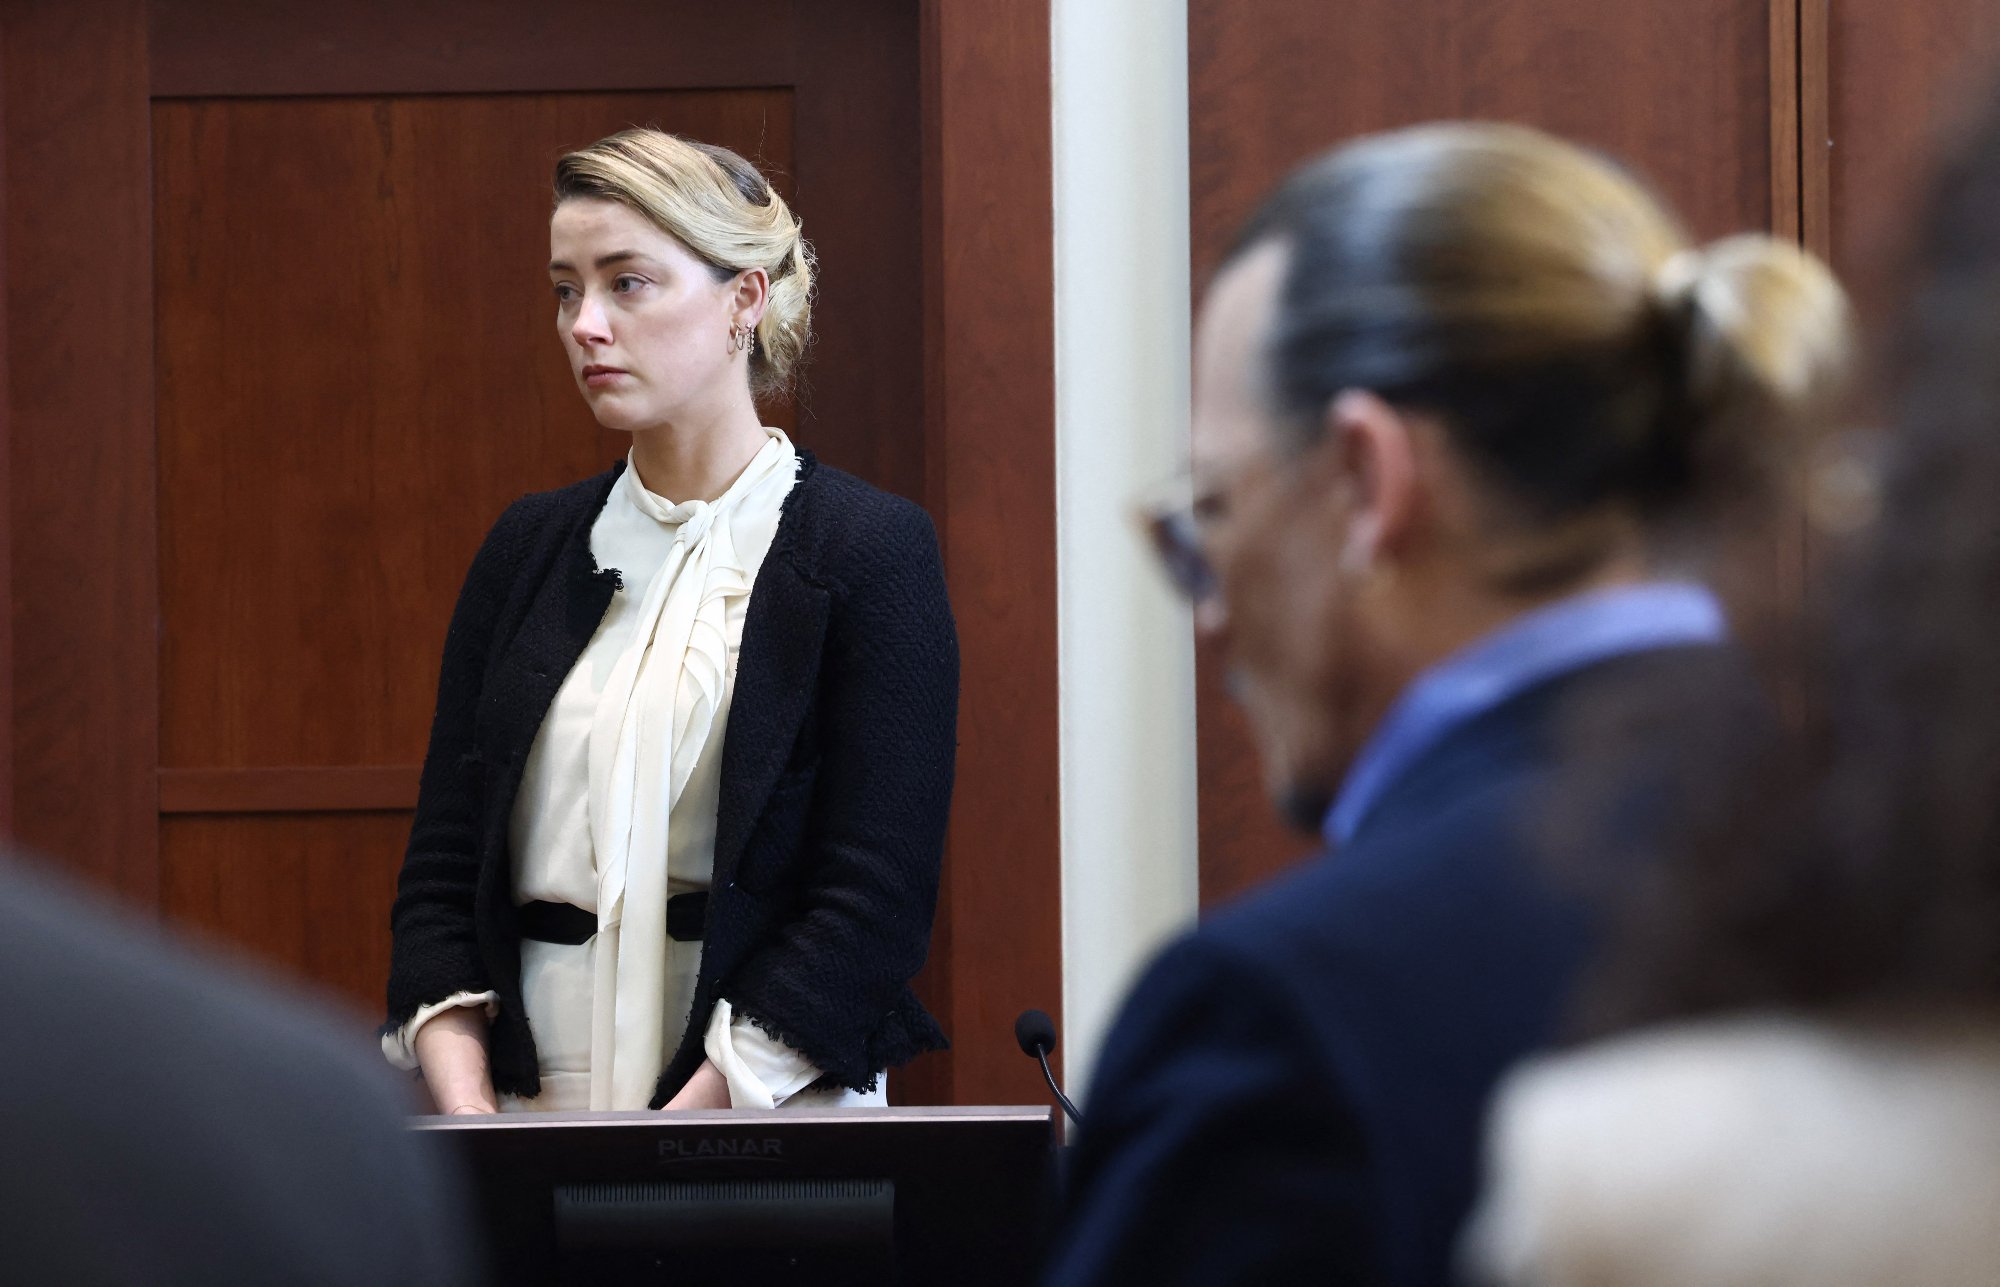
pixel 434 950
pixel 861 922
pixel 1214 1150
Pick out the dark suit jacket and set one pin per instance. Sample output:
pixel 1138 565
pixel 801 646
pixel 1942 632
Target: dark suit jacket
pixel 166 1122
pixel 836 777
pixel 1296 1091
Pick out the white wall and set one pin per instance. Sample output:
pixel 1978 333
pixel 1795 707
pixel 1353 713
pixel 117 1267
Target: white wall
pixel 1126 652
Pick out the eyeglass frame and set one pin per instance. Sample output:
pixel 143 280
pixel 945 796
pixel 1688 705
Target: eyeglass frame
pixel 1177 531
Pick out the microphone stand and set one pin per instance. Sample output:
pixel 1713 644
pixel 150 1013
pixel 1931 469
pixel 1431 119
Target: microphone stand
pixel 1048 1075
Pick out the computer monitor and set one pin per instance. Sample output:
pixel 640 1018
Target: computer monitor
pixel 915 1196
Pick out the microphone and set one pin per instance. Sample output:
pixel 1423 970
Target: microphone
pixel 1036 1034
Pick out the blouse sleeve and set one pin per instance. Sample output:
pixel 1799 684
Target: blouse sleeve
pixel 399 1045
pixel 762 1071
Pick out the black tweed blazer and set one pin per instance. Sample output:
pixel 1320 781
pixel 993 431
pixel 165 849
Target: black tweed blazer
pixel 836 777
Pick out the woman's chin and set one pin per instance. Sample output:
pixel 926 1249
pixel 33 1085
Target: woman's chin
pixel 612 415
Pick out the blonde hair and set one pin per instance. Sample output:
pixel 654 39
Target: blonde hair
pixel 725 212
pixel 1550 310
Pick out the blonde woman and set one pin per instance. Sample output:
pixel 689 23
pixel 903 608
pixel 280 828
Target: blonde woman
pixel 679 832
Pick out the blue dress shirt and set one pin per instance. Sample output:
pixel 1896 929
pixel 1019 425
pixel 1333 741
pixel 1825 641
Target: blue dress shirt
pixel 1549 641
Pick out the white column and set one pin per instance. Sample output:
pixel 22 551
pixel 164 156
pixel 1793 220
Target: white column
pixel 1126 652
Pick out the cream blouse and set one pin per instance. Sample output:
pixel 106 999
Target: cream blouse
pixel 616 810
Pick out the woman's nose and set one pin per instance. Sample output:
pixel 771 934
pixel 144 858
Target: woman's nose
pixel 589 326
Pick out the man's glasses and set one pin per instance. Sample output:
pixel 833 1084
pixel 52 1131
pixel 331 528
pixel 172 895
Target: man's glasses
pixel 1179 522
pixel 1174 532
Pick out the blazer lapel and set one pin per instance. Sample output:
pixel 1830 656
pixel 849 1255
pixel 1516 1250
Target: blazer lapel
pixel 568 605
pixel 777 675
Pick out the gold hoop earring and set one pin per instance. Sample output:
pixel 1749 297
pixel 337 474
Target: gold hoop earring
pixel 742 338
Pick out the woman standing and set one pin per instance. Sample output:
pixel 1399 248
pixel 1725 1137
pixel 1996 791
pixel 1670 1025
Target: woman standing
pixel 681 819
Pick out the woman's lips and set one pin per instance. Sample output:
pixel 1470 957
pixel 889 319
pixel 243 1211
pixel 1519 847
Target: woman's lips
pixel 598 377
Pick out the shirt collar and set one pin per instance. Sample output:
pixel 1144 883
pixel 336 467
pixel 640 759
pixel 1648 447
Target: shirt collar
pixel 1553 640
pixel 692 518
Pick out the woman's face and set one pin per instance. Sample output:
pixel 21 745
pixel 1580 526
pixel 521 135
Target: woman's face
pixel 645 323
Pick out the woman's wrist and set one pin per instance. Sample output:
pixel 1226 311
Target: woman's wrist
pixel 451 1051
pixel 708 1088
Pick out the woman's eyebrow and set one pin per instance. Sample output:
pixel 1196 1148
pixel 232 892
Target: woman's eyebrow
pixel 602 261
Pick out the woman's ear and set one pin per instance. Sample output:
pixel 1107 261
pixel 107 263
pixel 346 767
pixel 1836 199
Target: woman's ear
pixel 753 289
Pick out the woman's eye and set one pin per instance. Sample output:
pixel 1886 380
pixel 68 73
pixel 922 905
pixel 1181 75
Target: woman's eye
pixel 627 283
pixel 565 293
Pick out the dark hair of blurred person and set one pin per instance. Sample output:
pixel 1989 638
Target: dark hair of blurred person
pixel 1469 412
pixel 172 1122
pixel 1818 1097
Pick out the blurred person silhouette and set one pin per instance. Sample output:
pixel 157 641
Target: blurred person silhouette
pixel 171 1122
pixel 1466 403
pixel 1813 1094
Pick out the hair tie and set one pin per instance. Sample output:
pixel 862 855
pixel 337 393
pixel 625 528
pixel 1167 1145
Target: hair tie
pixel 1675 279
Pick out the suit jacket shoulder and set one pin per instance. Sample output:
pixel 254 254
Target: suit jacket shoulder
pixel 169 1121
pixel 1213 1151
pixel 1373 997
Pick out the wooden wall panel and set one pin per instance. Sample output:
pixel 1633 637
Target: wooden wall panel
pixel 6 495
pixel 284 47
pixel 358 370
pixel 851 68
pixel 305 892
pixel 316 789
pixel 1785 131
pixel 80 510
pixel 859 176
pixel 1683 88
pixel 990 406
pixel 1899 75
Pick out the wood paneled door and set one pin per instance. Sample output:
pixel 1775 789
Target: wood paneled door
pixel 280 347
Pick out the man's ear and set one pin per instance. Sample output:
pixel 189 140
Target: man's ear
pixel 1370 456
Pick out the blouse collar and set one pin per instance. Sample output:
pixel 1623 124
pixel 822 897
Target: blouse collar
pixel 692 519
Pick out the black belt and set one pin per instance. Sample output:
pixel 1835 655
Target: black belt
pixel 687 916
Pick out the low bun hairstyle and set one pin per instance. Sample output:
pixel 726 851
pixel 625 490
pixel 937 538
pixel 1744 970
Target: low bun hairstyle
pixel 1760 337
pixel 725 212
pixel 1550 311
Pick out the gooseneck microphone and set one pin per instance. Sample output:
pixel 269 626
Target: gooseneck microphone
pixel 1036 1033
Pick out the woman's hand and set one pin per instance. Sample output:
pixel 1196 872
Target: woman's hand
pixel 451 1049
pixel 706 1089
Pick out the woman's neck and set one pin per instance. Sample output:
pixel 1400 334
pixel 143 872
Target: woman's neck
pixel 697 458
